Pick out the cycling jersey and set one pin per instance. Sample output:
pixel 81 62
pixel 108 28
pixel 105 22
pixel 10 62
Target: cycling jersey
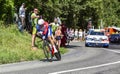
pixel 49 33
pixel 45 29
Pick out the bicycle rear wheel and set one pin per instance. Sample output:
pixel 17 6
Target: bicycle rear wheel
pixel 58 54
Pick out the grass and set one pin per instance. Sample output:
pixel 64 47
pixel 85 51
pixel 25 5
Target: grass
pixel 16 46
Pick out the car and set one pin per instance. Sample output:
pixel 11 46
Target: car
pixel 114 38
pixel 96 38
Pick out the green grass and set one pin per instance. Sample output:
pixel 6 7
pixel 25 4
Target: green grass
pixel 16 46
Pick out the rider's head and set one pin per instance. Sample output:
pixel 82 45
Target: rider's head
pixel 35 10
pixel 41 22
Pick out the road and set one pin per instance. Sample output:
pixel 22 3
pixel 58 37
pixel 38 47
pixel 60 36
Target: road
pixel 79 60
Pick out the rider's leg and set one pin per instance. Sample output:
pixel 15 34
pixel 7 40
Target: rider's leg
pixel 52 42
pixel 51 39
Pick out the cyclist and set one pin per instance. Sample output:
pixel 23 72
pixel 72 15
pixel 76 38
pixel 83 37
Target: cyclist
pixel 45 30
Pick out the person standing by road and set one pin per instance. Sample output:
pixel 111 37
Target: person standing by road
pixel 76 34
pixel 84 34
pixel 22 16
pixel 54 25
pixel 58 35
pixel 64 38
pixel 34 17
pixel 80 34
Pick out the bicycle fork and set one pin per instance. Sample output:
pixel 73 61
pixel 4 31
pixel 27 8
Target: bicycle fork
pixel 51 50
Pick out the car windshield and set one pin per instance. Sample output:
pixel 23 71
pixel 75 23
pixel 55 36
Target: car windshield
pixel 96 33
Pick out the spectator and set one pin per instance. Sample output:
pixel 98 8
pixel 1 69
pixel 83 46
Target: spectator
pixel 76 34
pixel 80 34
pixel 59 21
pixel 58 35
pixel 68 31
pixel 84 34
pixel 15 16
pixel 54 25
pixel 34 18
pixel 22 15
pixel 73 33
pixel 30 22
pixel 63 40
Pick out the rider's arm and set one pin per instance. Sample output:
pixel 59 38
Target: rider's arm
pixel 45 28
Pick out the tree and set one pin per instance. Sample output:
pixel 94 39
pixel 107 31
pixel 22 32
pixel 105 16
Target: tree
pixel 74 12
pixel 6 13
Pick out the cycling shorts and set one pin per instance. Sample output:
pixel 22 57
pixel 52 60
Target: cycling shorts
pixel 49 33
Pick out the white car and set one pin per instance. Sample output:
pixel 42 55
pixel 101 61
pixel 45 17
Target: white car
pixel 96 38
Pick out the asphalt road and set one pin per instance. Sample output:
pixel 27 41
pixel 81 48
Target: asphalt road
pixel 79 60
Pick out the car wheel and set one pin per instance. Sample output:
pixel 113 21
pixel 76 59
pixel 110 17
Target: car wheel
pixel 106 46
pixel 86 45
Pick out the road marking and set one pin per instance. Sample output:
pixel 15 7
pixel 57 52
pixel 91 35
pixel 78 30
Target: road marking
pixel 86 68
pixel 112 50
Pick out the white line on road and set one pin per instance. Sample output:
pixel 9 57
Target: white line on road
pixel 86 68
pixel 115 51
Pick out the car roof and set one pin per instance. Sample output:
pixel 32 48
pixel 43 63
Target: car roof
pixel 96 30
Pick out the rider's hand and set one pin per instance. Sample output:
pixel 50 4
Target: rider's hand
pixel 43 37
pixel 40 32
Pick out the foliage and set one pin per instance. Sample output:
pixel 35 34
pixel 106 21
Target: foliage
pixel 6 12
pixel 75 13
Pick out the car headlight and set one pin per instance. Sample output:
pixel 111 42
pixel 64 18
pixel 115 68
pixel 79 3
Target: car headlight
pixel 89 38
pixel 104 39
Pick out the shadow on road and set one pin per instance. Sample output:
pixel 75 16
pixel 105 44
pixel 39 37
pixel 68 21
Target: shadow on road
pixel 46 60
pixel 115 46
pixel 114 43
pixel 72 46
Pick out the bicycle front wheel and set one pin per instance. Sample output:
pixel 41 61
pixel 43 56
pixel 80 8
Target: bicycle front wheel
pixel 46 50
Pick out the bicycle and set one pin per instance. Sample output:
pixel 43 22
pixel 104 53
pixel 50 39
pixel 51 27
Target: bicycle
pixel 49 51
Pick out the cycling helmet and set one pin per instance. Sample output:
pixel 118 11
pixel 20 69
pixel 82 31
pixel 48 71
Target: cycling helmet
pixel 40 21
